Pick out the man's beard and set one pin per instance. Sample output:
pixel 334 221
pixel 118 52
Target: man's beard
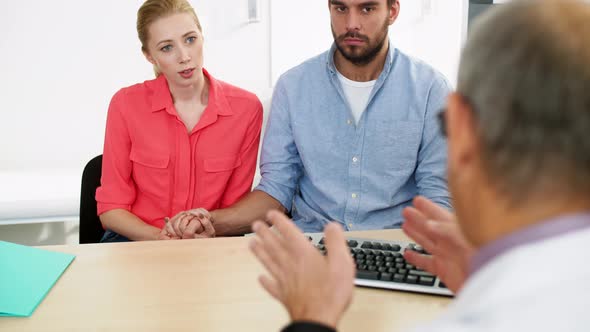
pixel 369 54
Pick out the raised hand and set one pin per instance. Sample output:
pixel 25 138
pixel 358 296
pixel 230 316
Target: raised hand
pixel 310 286
pixel 437 231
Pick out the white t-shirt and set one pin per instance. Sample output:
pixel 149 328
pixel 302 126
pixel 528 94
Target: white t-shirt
pixel 357 94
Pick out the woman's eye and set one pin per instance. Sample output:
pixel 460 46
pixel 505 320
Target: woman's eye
pixel 191 39
pixel 166 48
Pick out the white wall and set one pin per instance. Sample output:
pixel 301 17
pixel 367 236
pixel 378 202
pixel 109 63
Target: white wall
pixel 63 60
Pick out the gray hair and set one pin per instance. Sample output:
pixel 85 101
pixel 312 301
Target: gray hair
pixel 526 72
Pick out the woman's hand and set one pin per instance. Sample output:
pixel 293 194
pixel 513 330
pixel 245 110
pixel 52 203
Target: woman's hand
pixel 191 224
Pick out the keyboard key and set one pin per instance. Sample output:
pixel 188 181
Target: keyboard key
pixel 421 273
pixel 371 275
pixel 427 281
pixel 352 243
pixel 399 265
pixel 441 285
pixel 398 277
pixel 392 270
pixel 377 245
pixel 367 245
pixel 402 271
pixel 382 269
pixel 372 268
pixel 411 279
pixel 386 246
pixel 385 276
pixel 396 247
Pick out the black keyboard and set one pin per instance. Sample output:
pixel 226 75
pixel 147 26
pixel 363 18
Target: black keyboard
pixel 381 264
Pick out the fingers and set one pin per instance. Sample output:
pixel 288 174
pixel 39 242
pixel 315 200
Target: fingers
pixel 338 252
pixel 272 242
pixel 266 249
pixel 432 210
pixel 424 262
pixel 287 229
pixel 200 212
pixel 179 224
pixel 193 228
pixel 208 230
pixel 271 286
pixel 416 228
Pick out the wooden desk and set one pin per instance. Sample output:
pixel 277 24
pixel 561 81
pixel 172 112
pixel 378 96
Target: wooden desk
pixel 194 285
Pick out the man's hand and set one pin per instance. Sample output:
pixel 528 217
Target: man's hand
pixel 437 231
pixel 311 287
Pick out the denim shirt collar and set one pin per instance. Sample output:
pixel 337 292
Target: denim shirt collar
pixel 392 53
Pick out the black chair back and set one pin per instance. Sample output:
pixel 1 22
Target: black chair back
pixel 91 230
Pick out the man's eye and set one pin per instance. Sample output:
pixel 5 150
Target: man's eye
pixel 166 48
pixel 341 9
pixel 368 9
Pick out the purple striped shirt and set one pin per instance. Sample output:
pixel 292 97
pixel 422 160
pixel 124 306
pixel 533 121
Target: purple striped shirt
pixel 541 231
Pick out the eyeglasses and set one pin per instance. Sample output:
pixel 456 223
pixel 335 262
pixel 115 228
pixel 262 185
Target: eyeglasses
pixel 442 121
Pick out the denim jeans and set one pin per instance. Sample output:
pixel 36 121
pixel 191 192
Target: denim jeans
pixel 110 236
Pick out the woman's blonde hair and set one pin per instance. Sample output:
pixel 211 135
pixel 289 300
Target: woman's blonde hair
pixel 151 10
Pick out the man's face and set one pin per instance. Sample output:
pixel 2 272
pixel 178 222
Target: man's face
pixel 360 27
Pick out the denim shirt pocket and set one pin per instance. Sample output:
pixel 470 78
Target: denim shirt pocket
pixel 398 144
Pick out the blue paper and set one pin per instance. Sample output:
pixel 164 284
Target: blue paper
pixel 26 276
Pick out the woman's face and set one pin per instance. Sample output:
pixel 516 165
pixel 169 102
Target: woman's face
pixel 175 45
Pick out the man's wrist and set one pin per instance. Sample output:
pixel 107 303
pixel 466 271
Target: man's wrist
pixel 307 326
pixel 318 316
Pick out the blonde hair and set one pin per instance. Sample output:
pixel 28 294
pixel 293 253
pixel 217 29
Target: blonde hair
pixel 152 10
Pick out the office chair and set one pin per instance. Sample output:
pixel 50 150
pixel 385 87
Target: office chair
pixel 91 230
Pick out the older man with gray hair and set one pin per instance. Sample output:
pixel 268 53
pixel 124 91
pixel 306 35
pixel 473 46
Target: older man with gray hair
pixel 519 173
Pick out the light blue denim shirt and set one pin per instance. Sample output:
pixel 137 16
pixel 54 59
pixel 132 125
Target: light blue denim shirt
pixel 323 167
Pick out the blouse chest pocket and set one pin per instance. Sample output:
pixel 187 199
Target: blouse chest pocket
pixel 151 171
pixel 216 176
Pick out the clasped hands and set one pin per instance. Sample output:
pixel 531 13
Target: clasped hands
pixel 191 224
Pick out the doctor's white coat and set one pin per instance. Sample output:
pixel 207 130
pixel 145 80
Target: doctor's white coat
pixel 543 286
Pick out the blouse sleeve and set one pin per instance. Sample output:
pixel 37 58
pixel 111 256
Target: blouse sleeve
pixel 117 190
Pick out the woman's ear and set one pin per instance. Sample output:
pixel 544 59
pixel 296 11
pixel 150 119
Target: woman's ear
pixel 148 56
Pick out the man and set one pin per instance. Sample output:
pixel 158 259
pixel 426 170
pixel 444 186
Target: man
pixel 352 134
pixel 519 171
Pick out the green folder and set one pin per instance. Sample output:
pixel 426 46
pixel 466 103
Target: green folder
pixel 26 276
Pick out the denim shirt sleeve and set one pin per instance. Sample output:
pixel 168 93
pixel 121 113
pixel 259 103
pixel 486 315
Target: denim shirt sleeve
pixel 280 164
pixel 431 179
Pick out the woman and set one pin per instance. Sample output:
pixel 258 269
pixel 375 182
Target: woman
pixel 176 142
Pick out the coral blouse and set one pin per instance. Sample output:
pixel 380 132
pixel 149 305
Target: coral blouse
pixel 153 168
